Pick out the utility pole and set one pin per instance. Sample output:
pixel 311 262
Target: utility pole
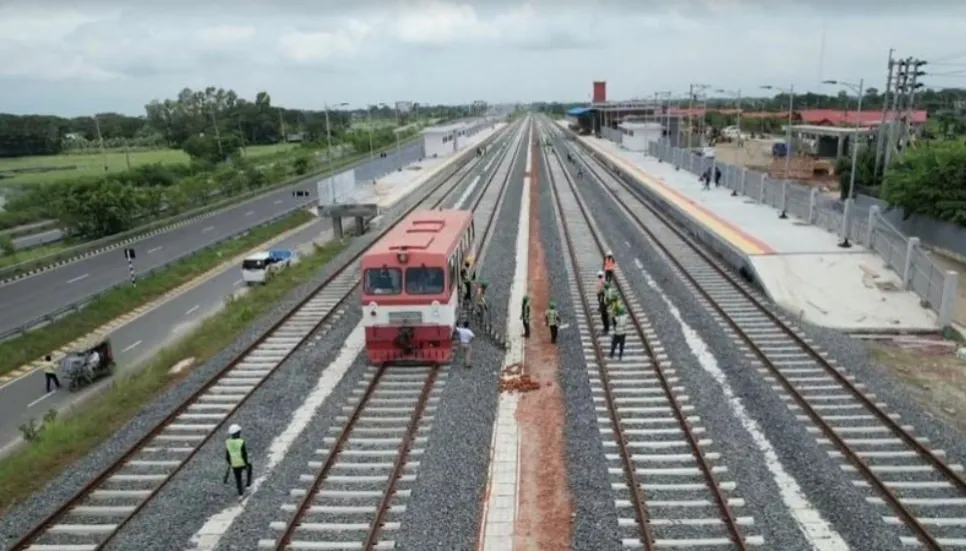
pixel 880 134
pixel 281 128
pixel 690 107
pixel 902 82
pixel 100 139
pixel 914 86
pixel 214 120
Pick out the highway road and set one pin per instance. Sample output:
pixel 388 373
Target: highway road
pixel 26 398
pixel 32 297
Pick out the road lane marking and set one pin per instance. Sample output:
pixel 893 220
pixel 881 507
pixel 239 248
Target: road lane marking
pixel 208 229
pixel 249 213
pixel 38 400
pixel 130 347
pixel 279 202
pixel 239 282
pixel 78 278
pixel 192 309
pixel 156 249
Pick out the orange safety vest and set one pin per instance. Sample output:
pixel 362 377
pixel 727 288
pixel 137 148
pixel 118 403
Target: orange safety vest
pixel 609 264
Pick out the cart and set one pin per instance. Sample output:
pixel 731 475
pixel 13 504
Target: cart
pixel 79 368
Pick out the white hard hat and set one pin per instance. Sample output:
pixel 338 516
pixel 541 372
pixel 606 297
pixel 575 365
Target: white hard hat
pixel 600 273
pixel 610 253
pixel 234 429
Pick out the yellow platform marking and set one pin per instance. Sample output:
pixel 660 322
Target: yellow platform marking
pixel 742 241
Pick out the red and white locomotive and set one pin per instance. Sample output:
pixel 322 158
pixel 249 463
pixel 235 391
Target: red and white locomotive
pixel 411 285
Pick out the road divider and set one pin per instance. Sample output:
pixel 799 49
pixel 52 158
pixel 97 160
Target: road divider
pixel 69 437
pixel 120 306
pixel 84 250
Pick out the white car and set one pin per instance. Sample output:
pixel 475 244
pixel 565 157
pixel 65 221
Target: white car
pixel 261 267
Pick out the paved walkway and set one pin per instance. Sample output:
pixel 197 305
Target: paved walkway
pixel 799 266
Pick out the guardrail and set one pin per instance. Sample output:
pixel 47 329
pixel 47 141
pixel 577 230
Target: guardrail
pixel 31 267
pixel 463 159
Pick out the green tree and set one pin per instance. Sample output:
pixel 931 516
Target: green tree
pixel 865 179
pixel 96 207
pixel 929 180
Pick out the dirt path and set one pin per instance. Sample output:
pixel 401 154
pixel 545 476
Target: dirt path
pixel 932 374
pixel 544 510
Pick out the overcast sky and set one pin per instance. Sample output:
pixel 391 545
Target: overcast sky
pixel 58 57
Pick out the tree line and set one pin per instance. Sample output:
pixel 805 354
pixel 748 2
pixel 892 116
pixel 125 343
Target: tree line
pixel 213 112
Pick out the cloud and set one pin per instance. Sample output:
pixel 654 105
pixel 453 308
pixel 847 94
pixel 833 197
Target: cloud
pixel 313 47
pixel 226 34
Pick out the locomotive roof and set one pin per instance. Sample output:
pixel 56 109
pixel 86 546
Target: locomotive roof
pixel 424 231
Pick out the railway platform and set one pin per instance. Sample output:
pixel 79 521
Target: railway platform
pixel 800 267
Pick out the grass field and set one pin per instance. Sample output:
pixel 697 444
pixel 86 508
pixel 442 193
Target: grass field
pixel 65 440
pixel 51 168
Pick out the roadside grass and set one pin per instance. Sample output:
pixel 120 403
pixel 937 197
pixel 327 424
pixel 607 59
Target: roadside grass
pixel 52 168
pixel 66 439
pixel 26 348
pixel 33 253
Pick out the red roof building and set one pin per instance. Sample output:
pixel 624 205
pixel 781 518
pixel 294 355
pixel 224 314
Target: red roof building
pixel 839 117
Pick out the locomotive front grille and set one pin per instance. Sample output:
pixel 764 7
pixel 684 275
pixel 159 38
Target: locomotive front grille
pixel 405 318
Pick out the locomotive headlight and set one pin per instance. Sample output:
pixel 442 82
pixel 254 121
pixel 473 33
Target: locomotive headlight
pixel 435 305
pixel 372 309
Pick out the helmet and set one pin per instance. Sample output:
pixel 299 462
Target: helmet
pixel 483 284
pixel 600 273
pixel 553 304
pixel 610 253
pixel 526 298
pixel 234 429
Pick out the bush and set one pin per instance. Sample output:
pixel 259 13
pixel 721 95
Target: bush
pixel 929 180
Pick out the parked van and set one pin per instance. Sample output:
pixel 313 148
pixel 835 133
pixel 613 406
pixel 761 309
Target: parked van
pixel 260 267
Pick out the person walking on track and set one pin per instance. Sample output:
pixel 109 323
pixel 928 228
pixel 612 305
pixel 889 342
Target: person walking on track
pixel 525 316
pixel 600 288
pixel 50 373
pixel 553 321
pixel 466 337
pixel 236 454
pixel 609 266
pixel 610 295
pixel 620 332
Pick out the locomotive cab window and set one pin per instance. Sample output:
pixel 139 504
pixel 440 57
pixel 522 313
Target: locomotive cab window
pixel 383 281
pixel 425 280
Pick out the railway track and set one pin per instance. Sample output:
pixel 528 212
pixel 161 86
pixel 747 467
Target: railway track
pixel 356 497
pixel 666 479
pixel 91 518
pixel 911 485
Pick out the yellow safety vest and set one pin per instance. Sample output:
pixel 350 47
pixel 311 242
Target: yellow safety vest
pixel 50 367
pixel 551 318
pixel 620 324
pixel 234 447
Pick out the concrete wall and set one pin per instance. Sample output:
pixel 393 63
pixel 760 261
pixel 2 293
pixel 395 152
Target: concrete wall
pixel 943 237
pixel 639 136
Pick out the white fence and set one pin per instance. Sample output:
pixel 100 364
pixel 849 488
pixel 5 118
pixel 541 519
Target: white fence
pixel 935 286
pixel 339 189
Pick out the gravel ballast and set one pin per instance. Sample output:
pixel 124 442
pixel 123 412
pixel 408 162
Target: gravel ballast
pixel 828 488
pixel 23 516
pixel 444 511
pixel 595 515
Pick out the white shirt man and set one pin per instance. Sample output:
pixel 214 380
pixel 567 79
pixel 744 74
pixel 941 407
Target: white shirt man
pixel 466 337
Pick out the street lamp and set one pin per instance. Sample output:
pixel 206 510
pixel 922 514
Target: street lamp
pixel 858 89
pixel 328 138
pixel 693 90
pixel 788 133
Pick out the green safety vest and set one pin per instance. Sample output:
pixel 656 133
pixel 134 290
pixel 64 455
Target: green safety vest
pixel 526 312
pixel 551 317
pixel 620 324
pixel 234 447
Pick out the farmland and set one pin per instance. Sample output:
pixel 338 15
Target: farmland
pixel 52 168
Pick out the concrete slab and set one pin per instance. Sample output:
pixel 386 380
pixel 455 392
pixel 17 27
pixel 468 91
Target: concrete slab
pixel 798 265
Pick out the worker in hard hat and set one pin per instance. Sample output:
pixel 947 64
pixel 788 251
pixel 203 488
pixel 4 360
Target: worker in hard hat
pixel 600 288
pixel 610 295
pixel 237 456
pixel 609 266
pixel 553 321
pixel 620 331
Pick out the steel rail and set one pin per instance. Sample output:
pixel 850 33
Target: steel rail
pixel 399 463
pixel 848 452
pixel 83 493
pixel 722 501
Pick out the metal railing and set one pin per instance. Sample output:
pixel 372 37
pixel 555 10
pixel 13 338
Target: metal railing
pixel 935 286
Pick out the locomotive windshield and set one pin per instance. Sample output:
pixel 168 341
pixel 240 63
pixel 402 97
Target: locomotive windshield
pixel 425 281
pixel 383 281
